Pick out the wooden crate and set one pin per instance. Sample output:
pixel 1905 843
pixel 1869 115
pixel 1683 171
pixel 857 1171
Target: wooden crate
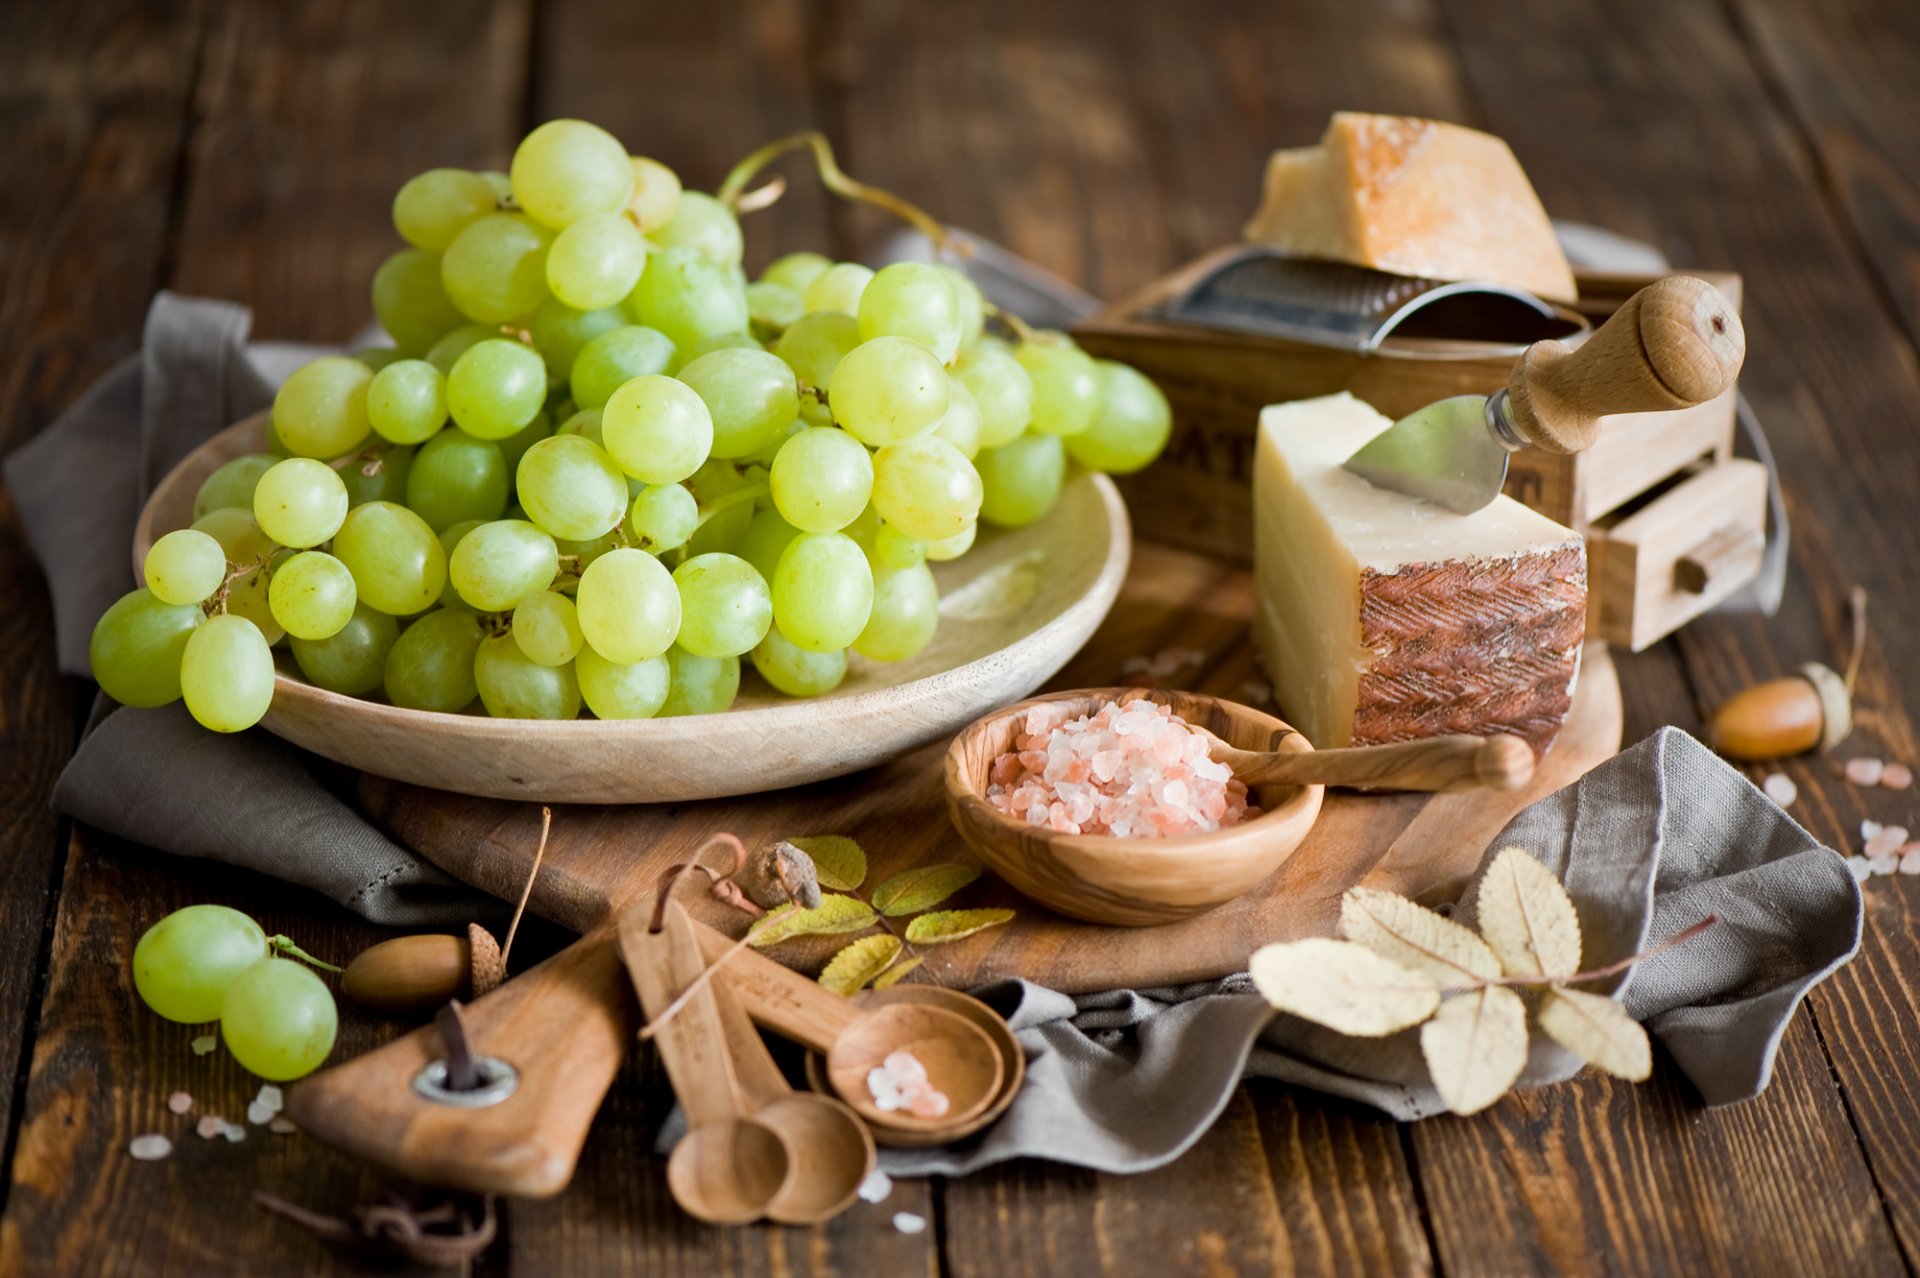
pixel 1199 494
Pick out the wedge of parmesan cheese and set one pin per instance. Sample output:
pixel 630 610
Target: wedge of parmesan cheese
pixel 1416 197
pixel 1385 618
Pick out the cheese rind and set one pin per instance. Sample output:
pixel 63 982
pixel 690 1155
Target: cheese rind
pixel 1385 618
pixel 1416 197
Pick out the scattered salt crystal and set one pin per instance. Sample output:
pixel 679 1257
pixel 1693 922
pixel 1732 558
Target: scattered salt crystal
pixel 1896 776
pixel 263 1107
pixel 259 1115
pixel 1889 838
pixel 202 1045
pixel 234 1133
pixel 1858 867
pixel 1865 771
pixel 1870 828
pixel 1781 789
pixel 209 1126
pixel 150 1148
pixel 1910 862
pixel 283 1127
pixel 908 1223
pixel 180 1103
pixel 1884 863
pixel 876 1187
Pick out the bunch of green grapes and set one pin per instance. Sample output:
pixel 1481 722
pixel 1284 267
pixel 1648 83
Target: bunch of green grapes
pixel 599 469
pixel 211 963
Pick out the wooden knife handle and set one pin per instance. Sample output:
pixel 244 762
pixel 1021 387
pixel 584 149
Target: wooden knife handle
pixel 564 1026
pixel 1674 344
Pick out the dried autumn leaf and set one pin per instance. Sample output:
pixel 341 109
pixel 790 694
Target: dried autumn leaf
pixel 893 974
pixel 834 914
pixel 850 969
pixel 840 863
pixel 922 889
pixel 1528 917
pixel 1476 1046
pixel 1343 986
pixel 942 926
pixel 1414 936
pixel 1597 1030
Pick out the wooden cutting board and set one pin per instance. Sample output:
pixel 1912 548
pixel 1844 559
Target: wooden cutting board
pixel 1175 605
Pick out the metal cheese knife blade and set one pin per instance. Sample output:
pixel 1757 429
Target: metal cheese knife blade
pixel 1674 344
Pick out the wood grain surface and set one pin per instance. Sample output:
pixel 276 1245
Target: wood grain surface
pixel 249 150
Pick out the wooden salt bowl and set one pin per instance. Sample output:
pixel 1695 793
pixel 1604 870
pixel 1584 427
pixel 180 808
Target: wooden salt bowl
pixel 1130 882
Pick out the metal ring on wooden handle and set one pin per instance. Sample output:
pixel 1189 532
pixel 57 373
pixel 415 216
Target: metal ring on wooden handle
pixel 1674 344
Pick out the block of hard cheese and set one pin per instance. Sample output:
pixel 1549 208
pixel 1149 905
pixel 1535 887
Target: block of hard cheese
pixel 1416 197
pixel 1382 617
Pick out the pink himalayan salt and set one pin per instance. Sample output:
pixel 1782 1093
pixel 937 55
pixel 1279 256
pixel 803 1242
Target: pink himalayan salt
pixel 1890 838
pixel 1896 776
pixel 900 1082
pixel 1864 771
pixel 180 1103
pixel 1132 771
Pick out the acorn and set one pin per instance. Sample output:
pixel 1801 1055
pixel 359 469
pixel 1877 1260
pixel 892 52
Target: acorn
pixel 1794 715
pixel 418 973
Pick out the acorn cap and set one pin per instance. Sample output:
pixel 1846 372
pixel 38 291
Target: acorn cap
pixel 484 962
pixel 1836 703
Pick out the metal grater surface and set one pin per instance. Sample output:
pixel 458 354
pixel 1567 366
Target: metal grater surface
pixel 1355 308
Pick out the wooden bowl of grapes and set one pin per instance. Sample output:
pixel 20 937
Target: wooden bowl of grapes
pixel 1012 610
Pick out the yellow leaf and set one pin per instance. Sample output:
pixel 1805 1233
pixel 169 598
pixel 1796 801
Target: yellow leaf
pixel 1343 986
pixel 1414 936
pixel 922 889
pixel 1597 1030
pixel 850 969
pixel 833 915
pixel 1476 1046
pixel 840 862
pixel 893 974
pixel 1528 917
pixel 942 926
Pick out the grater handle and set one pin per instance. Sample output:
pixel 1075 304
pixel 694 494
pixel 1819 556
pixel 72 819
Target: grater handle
pixel 1674 344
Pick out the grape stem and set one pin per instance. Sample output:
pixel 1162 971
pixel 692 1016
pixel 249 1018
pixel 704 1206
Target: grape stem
pixel 719 505
pixel 1017 326
pixel 834 179
pixel 216 603
pixel 285 945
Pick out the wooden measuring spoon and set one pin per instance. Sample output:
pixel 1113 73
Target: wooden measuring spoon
pixel 729 1168
pixel 1438 765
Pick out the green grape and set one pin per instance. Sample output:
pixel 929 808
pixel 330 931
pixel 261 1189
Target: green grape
pixel 378 474
pixel 926 488
pixel 515 446
pixel 500 563
pixel 906 612
pixel 703 223
pixel 596 261
pixel 547 628
pixel 455 477
pixel 773 306
pixel 663 517
pixel 410 300
pixel 571 488
pixel 766 537
pixel 795 271
pixel 430 666
pixel 821 479
pixel 232 484
pixel 865 527
pixel 763 457
pixel 183 964
pixel 708 345
pixel 913 300
pixel 656 193
pixel 588 423
pixel 751 394
pixel 973 307
pixel 892 548
pixel 689 297
pixel 496 388
pixel 500 185
pixel 797 671
pixel 246 547
pixel 312 595
pixel 496 268
pixel 184 567
pixel 407 401
pixel 353 660
pixel 1066 385
pixel 443 353
pixel 136 648
pixel 588 551
pixel 813 347
pixel 960 543
pixel 1132 426
pixel 568 169
pixel 560 333
pixel 300 502
pixel 961 426
pixel 822 591
pixel 321 411
pixel 615 358
pixel 378 357
pixel 397 562
pixel 629 607
pixel 725 607
pixel 434 206
pixel 838 288
pixel 724 522
pixel 887 390
pixel 1020 481
pixel 658 429
pixel 512 687
pixel 278 1020
pixel 450 539
pixel 226 673
pixel 613 690
pixel 1002 392
pixel 699 685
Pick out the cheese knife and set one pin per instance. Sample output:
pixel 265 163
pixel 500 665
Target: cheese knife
pixel 1674 344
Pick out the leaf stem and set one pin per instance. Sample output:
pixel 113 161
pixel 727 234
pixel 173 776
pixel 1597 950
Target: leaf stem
pixel 1599 973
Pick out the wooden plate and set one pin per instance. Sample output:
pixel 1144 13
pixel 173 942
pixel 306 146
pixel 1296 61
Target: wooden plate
pixel 1011 612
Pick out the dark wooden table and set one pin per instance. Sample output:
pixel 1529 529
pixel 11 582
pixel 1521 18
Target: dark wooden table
pixel 249 151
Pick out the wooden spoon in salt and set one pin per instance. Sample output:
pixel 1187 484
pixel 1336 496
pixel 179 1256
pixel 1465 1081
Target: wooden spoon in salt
pixel 1437 764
